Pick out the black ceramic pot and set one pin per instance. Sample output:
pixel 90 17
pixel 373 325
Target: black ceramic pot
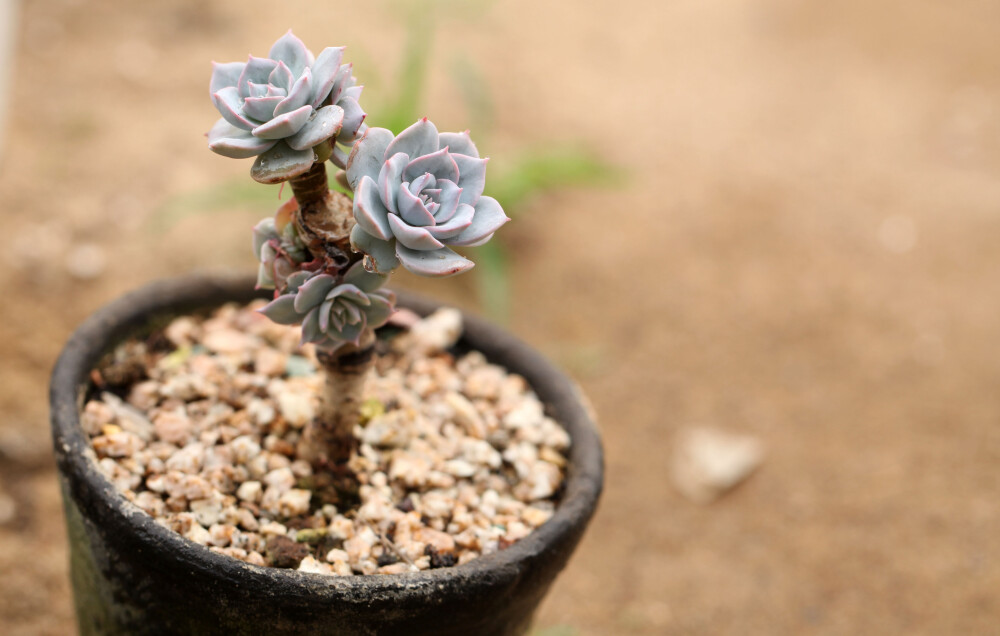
pixel 132 576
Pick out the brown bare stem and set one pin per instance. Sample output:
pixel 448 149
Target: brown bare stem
pixel 324 220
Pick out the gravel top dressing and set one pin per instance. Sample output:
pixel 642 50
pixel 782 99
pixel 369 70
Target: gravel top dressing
pixel 198 426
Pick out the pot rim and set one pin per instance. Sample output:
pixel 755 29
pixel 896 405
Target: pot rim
pixel 128 314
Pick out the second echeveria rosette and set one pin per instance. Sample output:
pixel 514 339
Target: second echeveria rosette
pixel 333 314
pixel 281 107
pixel 417 195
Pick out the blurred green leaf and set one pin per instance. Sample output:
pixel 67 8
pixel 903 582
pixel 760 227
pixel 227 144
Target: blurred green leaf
pixel 543 170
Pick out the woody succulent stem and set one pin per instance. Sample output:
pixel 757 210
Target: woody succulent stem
pixel 324 220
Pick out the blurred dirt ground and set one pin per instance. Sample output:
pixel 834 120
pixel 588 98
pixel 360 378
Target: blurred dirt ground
pixel 803 246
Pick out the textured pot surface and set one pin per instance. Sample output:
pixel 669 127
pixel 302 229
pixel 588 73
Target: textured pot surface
pixel 132 576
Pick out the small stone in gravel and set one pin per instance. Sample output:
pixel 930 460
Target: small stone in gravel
pixel 285 553
pixel 708 462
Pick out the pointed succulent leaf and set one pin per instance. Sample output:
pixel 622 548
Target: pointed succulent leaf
pixel 487 220
pixel 369 212
pixel 348 292
pixel 313 292
pixel 419 139
pixel 224 75
pixel 367 156
pixel 338 157
pixel 281 163
pixel 274 91
pixel 281 77
pixel 456 224
pixel 441 262
pixel 353 313
pixel 292 51
pixel 412 209
pixel 472 177
pixel 256 70
pixel 382 253
pixel 459 143
pixel 341 81
pixel 354 92
pixel 282 310
pixel 352 333
pixel 363 280
pixel 325 313
pixel 416 238
pixel 265 280
pixel 448 197
pixel 381 309
pixel 311 331
pixel 354 116
pixel 325 73
pixel 230 141
pixel 440 164
pixel 323 124
pixel 262 233
pixel 426 180
pixel 284 125
pixel 227 101
pixel 260 108
pixel 389 180
pixel 298 94
pixel 296 280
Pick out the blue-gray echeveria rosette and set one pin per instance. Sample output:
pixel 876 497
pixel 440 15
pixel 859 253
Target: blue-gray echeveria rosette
pixel 333 314
pixel 277 108
pixel 416 196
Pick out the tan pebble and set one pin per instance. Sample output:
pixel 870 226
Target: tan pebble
pixel 281 479
pixel 183 331
pixel 144 395
pixel 247 520
pixel 422 563
pixel 459 468
pixel 466 414
pixel 535 517
pixel 151 502
pixel 117 444
pixel 552 456
pixel 173 427
pixel 409 469
pixel 294 502
pixel 312 566
pixel 255 558
pixel 273 528
pixel 206 511
pixel 228 341
pixel 198 534
pixel 400 567
pixel 336 555
pixel 188 459
pixel 341 528
pixel 440 541
pixel 250 491
pixel 95 415
pixel 270 362
pixel 221 534
pixel 261 411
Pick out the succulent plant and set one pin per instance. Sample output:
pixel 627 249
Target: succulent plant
pixel 281 107
pixel 418 194
pixel 277 245
pixel 333 314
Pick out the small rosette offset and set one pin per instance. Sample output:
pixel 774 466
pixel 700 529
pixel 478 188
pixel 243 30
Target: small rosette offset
pixel 277 246
pixel 333 314
pixel 418 195
pixel 279 108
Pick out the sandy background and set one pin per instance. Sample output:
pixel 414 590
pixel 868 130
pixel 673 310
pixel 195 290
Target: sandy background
pixel 802 244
